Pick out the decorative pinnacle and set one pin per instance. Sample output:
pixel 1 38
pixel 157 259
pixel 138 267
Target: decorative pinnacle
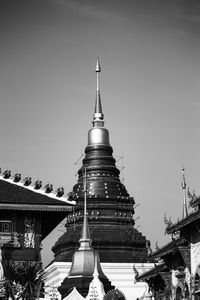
pixel 98 114
pixel 183 186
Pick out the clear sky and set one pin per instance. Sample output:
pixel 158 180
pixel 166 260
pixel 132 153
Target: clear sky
pixel 150 86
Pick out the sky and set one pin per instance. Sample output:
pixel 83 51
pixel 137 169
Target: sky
pixel 149 51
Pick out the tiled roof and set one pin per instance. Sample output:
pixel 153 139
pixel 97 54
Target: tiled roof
pixel 189 219
pixel 152 272
pixel 16 196
pixel 168 248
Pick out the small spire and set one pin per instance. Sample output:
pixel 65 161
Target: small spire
pixel 184 186
pixel 98 114
pixel 85 241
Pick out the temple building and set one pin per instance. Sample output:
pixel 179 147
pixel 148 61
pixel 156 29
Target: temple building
pixel 176 271
pixel 28 215
pixel 110 211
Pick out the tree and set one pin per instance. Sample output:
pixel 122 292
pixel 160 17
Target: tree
pixel 30 274
pixel 22 280
pixel 8 289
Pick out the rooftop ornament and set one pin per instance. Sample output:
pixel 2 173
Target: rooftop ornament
pixel 17 177
pixel 60 192
pixel 167 222
pixel 27 181
pixel 184 186
pixel 157 247
pixel 194 199
pixel 48 188
pixel 7 174
pixel 38 184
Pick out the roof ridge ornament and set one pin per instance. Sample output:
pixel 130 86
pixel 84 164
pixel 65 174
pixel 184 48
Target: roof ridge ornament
pixel 184 186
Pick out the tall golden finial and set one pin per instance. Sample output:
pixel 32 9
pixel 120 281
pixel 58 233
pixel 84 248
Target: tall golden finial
pixel 98 134
pixel 98 114
pixel 184 186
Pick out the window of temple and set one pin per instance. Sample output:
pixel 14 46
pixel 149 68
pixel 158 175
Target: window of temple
pixel 5 226
pixel 29 232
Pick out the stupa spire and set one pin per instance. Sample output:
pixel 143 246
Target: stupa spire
pixel 98 134
pixel 98 118
pixel 184 186
pixel 109 205
pixel 85 241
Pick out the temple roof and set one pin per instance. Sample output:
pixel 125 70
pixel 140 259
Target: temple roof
pixel 168 248
pixel 17 196
pixel 184 222
pixel 152 272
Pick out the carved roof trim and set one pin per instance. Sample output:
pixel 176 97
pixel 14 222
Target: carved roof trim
pixel 184 222
pixel 152 272
pixel 30 207
pixel 168 248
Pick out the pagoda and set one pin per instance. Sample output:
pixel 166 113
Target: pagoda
pixel 110 208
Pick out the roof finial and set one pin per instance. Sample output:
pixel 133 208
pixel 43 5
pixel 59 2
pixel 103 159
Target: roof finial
pixel 85 241
pixel 184 186
pixel 98 114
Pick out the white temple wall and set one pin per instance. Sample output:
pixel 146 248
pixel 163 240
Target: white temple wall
pixel 121 276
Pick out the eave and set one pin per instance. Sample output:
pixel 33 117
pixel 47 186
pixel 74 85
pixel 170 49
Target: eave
pixel 153 272
pixel 168 248
pixel 29 207
pixel 184 222
pixel 14 194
